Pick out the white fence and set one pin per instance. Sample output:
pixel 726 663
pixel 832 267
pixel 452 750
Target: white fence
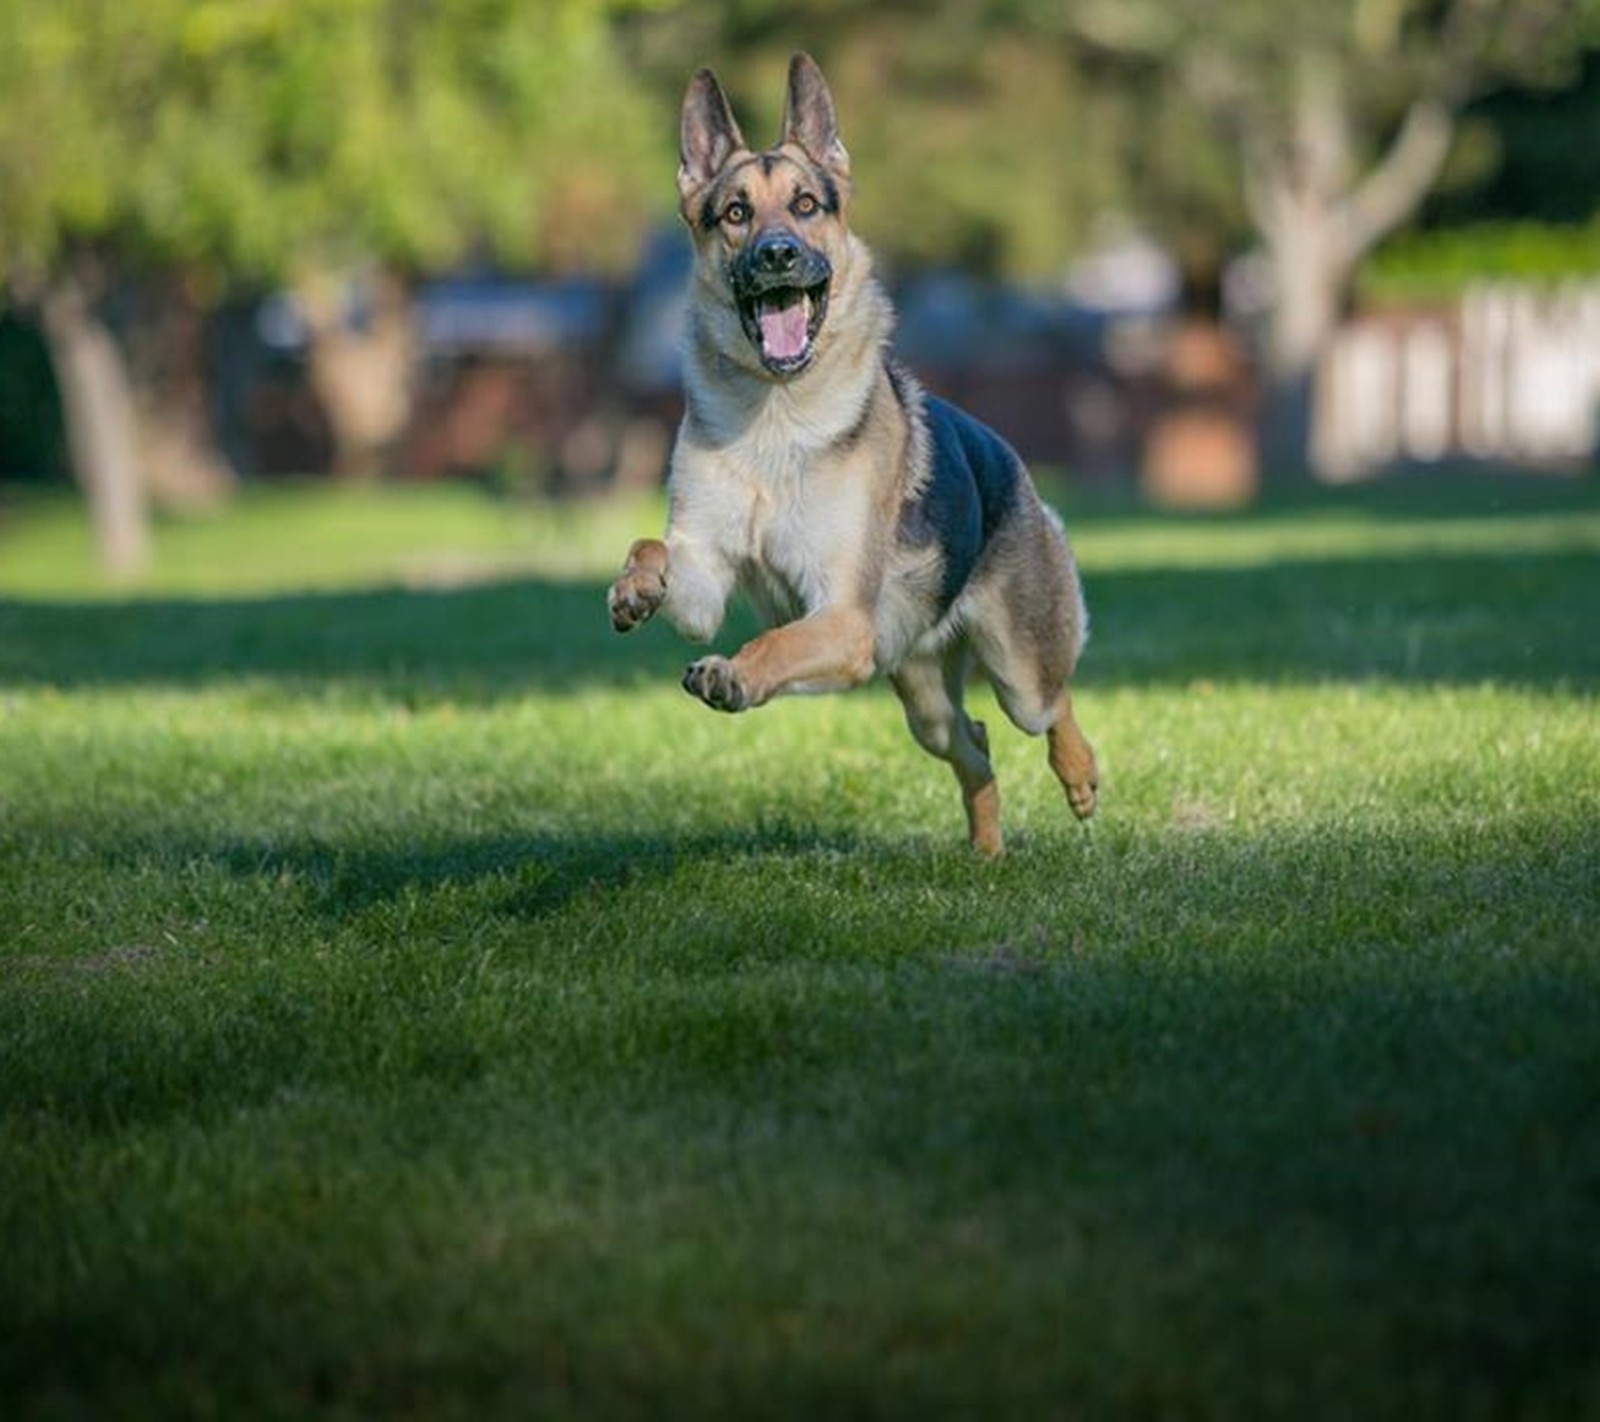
pixel 1512 374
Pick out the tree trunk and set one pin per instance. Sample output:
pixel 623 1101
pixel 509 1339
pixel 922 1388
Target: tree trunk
pixel 1310 279
pixel 1297 188
pixel 361 369
pixel 102 437
pixel 188 472
pixel 183 462
pixel 1317 222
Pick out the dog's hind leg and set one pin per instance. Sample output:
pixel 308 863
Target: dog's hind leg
pixel 1037 711
pixel 1072 759
pixel 1027 628
pixel 1038 703
pixel 930 692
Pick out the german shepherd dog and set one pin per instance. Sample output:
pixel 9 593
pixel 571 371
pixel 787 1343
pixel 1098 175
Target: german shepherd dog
pixel 876 527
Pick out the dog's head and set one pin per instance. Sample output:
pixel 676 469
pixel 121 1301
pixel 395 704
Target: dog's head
pixel 769 227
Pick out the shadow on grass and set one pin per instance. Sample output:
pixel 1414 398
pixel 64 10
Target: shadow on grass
pixel 1438 619
pixel 1393 902
pixel 1157 1133
pixel 533 875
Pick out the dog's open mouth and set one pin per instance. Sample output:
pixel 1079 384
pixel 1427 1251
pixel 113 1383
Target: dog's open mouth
pixel 782 323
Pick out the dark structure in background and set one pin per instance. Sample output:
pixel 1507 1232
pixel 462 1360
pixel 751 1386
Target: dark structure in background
pixel 572 386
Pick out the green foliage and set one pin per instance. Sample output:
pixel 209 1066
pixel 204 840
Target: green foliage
pixel 255 135
pixel 412 1003
pixel 973 151
pixel 1218 85
pixel 997 133
pixel 258 134
pixel 1438 264
pixel 974 139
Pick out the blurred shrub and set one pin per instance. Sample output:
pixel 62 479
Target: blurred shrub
pixel 1438 265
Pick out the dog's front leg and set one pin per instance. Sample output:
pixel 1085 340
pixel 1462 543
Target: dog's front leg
pixel 830 650
pixel 675 578
pixel 635 596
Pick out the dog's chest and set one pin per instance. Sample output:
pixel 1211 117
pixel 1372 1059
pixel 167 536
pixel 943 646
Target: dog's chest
pixel 805 535
pixel 789 520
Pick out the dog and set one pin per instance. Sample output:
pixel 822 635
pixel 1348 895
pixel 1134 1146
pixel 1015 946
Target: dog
pixel 875 527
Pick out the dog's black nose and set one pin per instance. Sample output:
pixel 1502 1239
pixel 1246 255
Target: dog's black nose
pixel 776 253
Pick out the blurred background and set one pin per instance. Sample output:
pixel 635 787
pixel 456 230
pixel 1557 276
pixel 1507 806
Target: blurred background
pixel 1179 247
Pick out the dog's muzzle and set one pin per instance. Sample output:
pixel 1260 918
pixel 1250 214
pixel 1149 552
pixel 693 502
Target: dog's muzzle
pixel 781 288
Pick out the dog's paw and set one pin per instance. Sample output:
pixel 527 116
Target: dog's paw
pixel 716 681
pixel 1082 796
pixel 634 598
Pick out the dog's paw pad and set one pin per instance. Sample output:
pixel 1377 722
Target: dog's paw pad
pixel 716 681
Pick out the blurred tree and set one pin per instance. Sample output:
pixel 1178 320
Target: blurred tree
pixel 296 140
pixel 978 144
pixel 1337 117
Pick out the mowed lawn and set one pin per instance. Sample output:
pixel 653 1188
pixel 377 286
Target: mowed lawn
pixel 412 1003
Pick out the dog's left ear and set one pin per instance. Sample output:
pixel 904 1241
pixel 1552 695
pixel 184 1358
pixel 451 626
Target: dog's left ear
pixel 808 117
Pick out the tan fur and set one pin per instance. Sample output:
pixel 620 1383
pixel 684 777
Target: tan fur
pixel 792 486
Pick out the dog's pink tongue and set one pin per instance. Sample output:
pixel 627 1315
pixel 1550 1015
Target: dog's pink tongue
pixel 783 330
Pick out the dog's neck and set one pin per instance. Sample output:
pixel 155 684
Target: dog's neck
pixel 727 397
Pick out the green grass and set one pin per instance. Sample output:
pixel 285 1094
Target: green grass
pixel 412 1004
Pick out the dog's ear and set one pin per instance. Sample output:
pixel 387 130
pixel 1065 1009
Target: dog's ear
pixel 709 135
pixel 808 117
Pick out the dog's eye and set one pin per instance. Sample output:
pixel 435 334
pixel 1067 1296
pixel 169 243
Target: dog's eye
pixel 805 206
pixel 737 213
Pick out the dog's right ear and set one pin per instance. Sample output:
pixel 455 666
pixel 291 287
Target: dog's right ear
pixel 709 136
